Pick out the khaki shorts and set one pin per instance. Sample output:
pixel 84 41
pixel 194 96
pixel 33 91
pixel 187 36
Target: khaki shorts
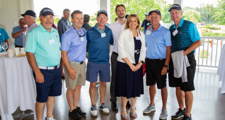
pixel 80 75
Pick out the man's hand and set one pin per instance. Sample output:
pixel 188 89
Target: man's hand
pixel 164 70
pixel 149 27
pixel 72 74
pixel 24 29
pixel 39 77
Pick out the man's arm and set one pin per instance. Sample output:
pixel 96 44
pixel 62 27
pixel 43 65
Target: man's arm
pixel 15 35
pixel 167 61
pixel 192 47
pixel 32 61
pixel 67 64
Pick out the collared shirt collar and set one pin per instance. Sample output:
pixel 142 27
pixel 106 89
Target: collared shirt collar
pixel 98 29
pixel 158 28
pixel 64 19
pixel 180 24
pixel 44 30
pixel 117 22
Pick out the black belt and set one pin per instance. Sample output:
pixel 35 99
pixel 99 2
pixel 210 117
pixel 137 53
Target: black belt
pixel 115 53
pixel 154 60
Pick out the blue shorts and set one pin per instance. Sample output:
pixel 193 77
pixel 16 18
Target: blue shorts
pixel 52 85
pixel 93 69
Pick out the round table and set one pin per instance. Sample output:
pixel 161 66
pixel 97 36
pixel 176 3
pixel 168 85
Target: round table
pixel 17 86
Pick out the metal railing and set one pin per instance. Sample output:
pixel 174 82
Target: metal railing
pixel 208 54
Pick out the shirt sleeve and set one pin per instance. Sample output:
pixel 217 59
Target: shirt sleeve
pixel 167 38
pixel 59 27
pixel 6 35
pixel 14 30
pixel 31 42
pixel 121 43
pixel 193 33
pixel 65 42
pixel 111 40
pixel 143 23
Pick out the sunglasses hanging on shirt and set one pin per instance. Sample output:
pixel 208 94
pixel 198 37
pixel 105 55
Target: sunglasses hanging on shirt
pixel 79 34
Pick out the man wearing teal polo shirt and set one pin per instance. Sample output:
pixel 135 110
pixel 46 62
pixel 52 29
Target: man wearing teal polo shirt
pixel 43 54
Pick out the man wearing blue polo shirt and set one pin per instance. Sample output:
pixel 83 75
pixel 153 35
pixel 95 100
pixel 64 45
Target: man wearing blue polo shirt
pixel 185 38
pixel 43 54
pixel 99 38
pixel 74 54
pixel 158 42
pixel 4 37
pixel 18 32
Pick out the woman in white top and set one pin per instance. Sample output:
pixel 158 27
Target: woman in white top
pixel 131 55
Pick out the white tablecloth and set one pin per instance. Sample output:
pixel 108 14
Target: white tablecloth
pixel 17 86
pixel 221 69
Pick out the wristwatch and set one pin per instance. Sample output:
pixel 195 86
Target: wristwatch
pixel 166 66
pixel 142 62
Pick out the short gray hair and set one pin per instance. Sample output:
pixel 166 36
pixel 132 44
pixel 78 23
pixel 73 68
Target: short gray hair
pixel 21 18
pixel 65 10
pixel 75 12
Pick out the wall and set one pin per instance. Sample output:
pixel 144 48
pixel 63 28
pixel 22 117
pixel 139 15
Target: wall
pixel 10 11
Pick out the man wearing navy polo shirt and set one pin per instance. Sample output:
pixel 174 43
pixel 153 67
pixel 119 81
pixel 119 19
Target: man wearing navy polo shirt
pixel 146 22
pixel 158 42
pixel 74 54
pixel 18 32
pixel 185 38
pixel 4 37
pixel 99 38
pixel 43 54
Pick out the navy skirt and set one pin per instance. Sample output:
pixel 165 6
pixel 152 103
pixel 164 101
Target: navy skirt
pixel 128 83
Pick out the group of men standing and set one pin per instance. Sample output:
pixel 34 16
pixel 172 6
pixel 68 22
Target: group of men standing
pixel 42 46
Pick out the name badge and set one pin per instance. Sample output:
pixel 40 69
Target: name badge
pixel 148 23
pixel 51 41
pixel 81 38
pixel 148 32
pixel 138 38
pixel 175 32
pixel 103 35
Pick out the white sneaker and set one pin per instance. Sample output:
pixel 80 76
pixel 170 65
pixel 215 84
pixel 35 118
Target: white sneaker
pixel 103 108
pixel 94 111
pixel 50 118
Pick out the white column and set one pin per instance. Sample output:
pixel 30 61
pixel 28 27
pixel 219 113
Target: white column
pixel 106 5
pixel 180 2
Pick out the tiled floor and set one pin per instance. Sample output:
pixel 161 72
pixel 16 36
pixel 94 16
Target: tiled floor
pixel 208 104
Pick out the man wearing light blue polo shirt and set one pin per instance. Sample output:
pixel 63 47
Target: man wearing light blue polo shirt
pixel 74 54
pixel 43 54
pixel 18 32
pixel 158 42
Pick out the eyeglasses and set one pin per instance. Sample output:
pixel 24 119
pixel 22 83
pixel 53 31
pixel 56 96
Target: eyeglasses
pixel 79 34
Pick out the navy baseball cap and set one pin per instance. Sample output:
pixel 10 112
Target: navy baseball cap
pixel 156 11
pixel 102 12
pixel 147 14
pixel 175 6
pixel 46 11
pixel 29 12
